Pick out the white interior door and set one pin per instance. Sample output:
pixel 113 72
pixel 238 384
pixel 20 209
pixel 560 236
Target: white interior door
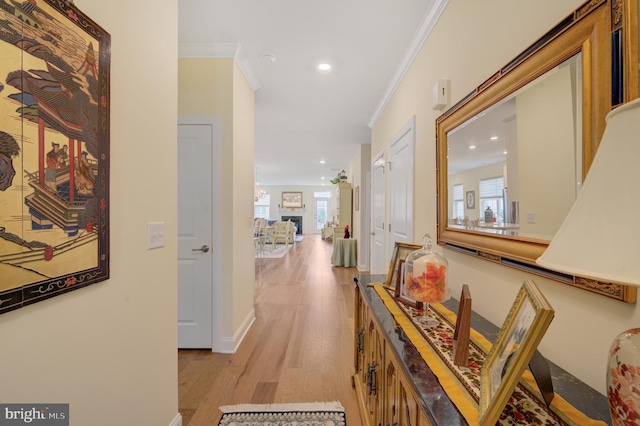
pixel 378 235
pixel 195 242
pixel 401 186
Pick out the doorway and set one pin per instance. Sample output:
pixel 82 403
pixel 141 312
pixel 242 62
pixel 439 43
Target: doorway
pixel 320 214
pixel 378 235
pixel 401 149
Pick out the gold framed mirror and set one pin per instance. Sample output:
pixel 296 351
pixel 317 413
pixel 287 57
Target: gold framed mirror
pixel 511 155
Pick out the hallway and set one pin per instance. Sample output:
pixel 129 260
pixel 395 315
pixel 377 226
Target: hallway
pixel 299 349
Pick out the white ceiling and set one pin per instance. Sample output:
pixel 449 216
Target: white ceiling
pixel 303 115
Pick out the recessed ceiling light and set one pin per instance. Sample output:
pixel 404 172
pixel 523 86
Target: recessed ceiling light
pixel 504 152
pixel 268 58
pixel 324 67
pixel 494 138
pixel 472 147
pixel 322 161
pixel 322 178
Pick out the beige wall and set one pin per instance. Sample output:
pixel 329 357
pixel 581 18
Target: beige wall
pixel 546 155
pixel 470 181
pixel 242 182
pixel 469 43
pixel 216 87
pixel 359 167
pixel 109 350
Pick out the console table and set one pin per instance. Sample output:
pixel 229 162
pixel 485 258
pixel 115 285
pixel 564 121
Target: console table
pixel 394 386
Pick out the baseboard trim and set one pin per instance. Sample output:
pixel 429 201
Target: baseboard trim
pixel 229 345
pixel 177 421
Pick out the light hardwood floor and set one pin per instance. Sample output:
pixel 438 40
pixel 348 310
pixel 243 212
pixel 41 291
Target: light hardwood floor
pixel 299 349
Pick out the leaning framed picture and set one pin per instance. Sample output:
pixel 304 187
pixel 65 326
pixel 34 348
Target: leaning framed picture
pixel 292 200
pixel 518 339
pixel 400 252
pixel 54 151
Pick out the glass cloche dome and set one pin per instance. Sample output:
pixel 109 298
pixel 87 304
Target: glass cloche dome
pixel 425 275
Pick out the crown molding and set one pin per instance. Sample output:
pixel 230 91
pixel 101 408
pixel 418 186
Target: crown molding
pixel 428 23
pixel 221 50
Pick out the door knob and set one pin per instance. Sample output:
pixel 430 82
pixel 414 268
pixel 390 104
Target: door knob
pixel 204 249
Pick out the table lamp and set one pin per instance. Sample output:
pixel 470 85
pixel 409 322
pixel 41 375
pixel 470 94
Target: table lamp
pixel 600 239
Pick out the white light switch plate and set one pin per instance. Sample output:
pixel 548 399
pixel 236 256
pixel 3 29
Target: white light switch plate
pixel 155 235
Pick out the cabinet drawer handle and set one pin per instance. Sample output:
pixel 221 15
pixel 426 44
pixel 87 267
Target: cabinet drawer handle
pixel 371 378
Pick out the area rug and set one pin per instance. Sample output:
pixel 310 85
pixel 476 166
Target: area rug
pixel 271 252
pixel 304 414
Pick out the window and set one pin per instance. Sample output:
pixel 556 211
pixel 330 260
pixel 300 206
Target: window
pixel 491 197
pixel 261 207
pixel 458 201
pixel 324 194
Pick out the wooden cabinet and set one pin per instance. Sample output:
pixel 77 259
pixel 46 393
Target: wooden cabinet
pixel 396 387
pixel 344 208
pixel 369 365
pixel 383 390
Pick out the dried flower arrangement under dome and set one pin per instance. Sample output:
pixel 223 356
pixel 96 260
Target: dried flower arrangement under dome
pixel 425 275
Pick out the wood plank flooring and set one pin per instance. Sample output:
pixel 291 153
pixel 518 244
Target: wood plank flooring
pixel 299 349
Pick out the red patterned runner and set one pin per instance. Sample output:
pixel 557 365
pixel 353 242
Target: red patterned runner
pixel 526 405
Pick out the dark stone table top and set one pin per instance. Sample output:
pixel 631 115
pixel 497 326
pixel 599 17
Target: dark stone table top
pixel 440 410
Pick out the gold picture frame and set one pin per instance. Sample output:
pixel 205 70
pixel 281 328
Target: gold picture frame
pixel 400 252
pixel 517 341
pixel 292 200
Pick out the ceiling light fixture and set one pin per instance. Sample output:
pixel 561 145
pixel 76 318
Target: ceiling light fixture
pixel 268 58
pixel 494 138
pixel 324 67
pixel 322 161
pixel 258 194
pixel 472 147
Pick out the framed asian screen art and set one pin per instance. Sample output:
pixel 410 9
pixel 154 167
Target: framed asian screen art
pixel 517 341
pixel 54 151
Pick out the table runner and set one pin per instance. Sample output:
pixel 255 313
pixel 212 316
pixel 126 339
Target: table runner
pixel 462 384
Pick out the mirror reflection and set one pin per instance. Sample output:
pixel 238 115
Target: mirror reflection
pixel 516 168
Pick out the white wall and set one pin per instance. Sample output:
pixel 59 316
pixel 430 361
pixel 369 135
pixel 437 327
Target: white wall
pixel 469 43
pixel 307 212
pixel 109 350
